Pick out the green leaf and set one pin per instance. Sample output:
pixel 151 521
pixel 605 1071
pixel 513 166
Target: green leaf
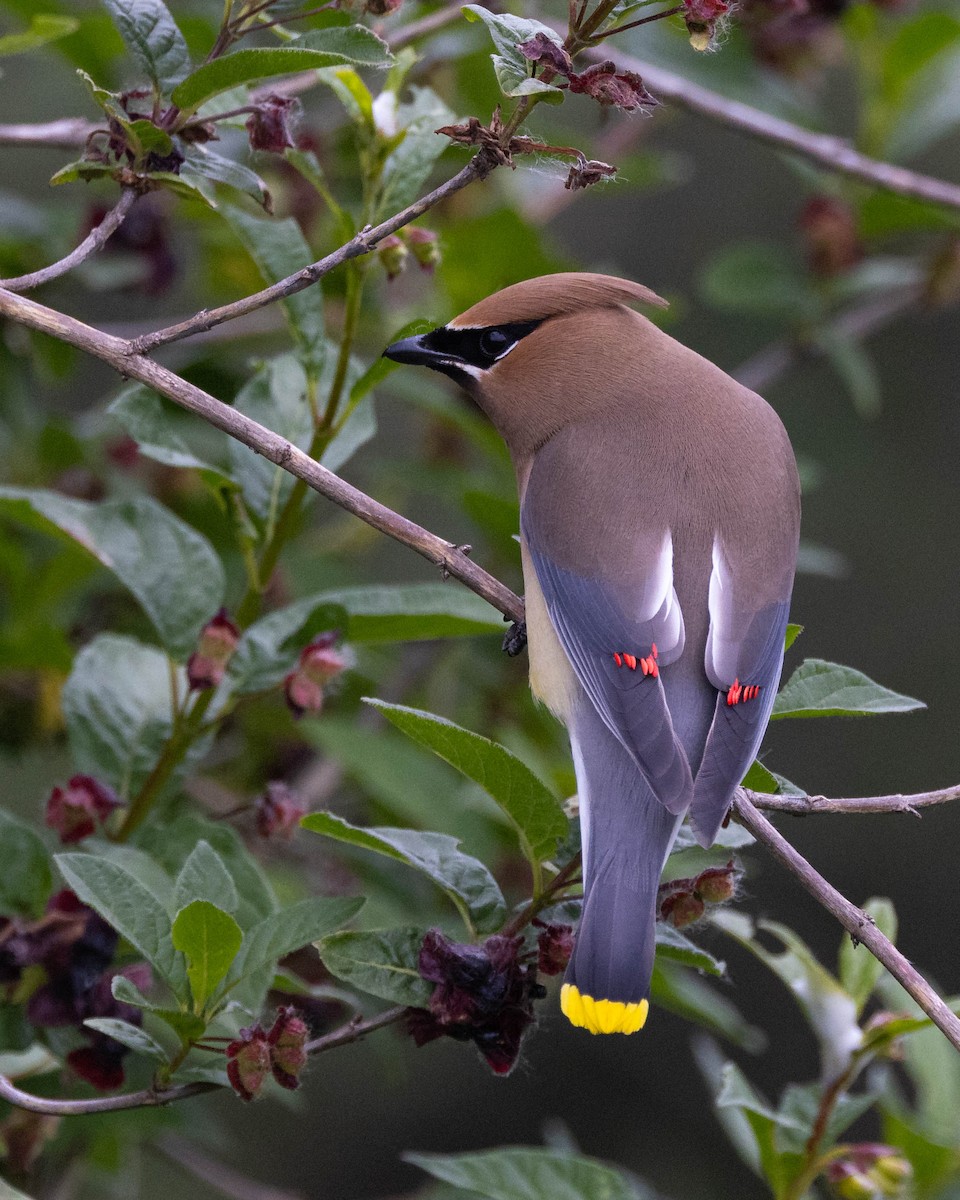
pixel 527 1173
pixel 381 962
pixel 824 689
pixel 171 842
pixel 125 903
pixel 320 48
pixel 737 1093
pixel 43 28
pixel 533 810
pixel 25 880
pixel 171 568
pixel 859 970
pixel 759 278
pixel 116 705
pixel 154 423
pixel 269 648
pixel 676 946
pixel 153 39
pixel 375 614
pixel 276 396
pixel 681 991
pixel 146 138
pixel 760 779
pixel 215 167
pixel 802 1105
pixel 210 939
pixel 357 427
pixel 855 368
pixel 914 46
pixel 279 249
pixel 205 877
pixel 82 170
pixel 829 1009
pixel 408 165
pixel 131 1036
pixel 140 865
pixel 291 929
pixel 793 632
pixel 466 880
pixel 511 68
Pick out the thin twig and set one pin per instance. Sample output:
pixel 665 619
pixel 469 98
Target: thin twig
pixel 854 920
pixel 477 168
pixel 834 153
pixel 67 133
pixel 90 245
pixel 147 1098
pixel 431 23
pixel 354 1030
pixel 117 353
pixel 803 806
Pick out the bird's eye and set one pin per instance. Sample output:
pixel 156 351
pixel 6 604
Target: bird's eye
pixel 493 342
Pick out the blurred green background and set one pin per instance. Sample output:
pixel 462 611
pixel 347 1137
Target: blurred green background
pixel 881 518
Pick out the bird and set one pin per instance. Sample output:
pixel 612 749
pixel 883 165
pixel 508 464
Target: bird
pixel 659 526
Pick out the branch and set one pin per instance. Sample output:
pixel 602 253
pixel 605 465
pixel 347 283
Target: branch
pixel 119 354
pixel 803 806
pixel 857 923
pixel 834 153
pixel 67 133
pixel 477 168
pixel 147 1098
pixel 354 1030
pixel 90 245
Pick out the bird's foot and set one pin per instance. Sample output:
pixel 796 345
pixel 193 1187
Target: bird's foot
pixel 515 639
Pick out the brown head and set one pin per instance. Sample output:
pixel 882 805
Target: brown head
pixel 542 353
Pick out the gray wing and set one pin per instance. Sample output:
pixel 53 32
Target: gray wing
pixel 744 657
pixel 607 629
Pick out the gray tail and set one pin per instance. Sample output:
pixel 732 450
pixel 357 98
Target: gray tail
pixel 626 834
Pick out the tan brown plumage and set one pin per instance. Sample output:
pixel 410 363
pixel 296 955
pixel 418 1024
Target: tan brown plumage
pixel 659 521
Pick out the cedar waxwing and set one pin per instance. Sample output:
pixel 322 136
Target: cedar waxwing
pixel 659 518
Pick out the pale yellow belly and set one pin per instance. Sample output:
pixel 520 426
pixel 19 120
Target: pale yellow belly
pixel 552 679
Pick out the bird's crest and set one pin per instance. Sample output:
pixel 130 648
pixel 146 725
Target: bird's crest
pixel 553 296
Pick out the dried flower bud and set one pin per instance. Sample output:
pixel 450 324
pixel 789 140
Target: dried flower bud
pixel 381 8
pixel 393 254
pixel 702 17
pixel 681 909
pixel 248 1062
pixel 717 884
pixel 319 663
pixel 278 811
pixel 554 947
pixel 869 1171
pixel 543 49
pixel 608 86
pixel 830 229
pixel 483 994
pixel 75 811
pixel 270 125
pixel 586 172
pixel 287 1040
pixel 208 664
pixel 425 247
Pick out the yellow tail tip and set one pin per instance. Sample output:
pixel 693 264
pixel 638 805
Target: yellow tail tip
pixel 602 1016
